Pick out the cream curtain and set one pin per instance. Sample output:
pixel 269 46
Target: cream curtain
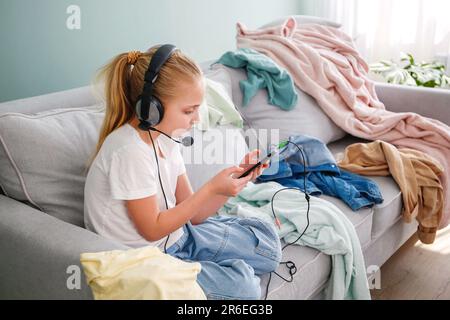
pixel 384 28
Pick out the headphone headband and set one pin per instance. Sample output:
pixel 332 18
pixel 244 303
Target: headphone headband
pixel 159 58
pixel 146 100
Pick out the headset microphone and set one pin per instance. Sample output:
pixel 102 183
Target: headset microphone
pixel 186 141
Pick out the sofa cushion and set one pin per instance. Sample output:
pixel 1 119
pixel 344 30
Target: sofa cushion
pixel 386 214
pixel 43 158
pixel 305 118
pixel 313 271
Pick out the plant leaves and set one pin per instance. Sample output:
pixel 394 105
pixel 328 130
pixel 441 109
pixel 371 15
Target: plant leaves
pixel 427 74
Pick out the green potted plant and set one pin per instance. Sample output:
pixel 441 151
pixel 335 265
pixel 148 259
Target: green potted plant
pixel 409 72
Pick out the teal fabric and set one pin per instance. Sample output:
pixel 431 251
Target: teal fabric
pixel 262 72
pixel 329 231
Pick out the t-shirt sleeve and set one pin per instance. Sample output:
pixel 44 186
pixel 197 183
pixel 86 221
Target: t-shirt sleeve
pixel 181 166
pixel 132 174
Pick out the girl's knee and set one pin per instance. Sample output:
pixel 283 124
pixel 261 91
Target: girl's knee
pixel 252 289
pixel 247 286
pixel 268 241
pixel 244 290
pixel 239 282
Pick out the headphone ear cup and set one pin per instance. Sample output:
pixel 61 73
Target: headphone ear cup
pixel 156 111
pixel 138 108
pixel 151 115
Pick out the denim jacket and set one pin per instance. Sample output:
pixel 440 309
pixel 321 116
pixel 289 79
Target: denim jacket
pixel 323 176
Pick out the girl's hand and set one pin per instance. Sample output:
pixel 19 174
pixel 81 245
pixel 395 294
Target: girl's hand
pixel 226 182
pixel 250 159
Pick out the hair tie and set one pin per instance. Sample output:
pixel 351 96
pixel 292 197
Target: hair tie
pixel 133 56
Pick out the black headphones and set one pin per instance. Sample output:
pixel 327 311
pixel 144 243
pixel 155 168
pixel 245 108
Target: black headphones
pixel 149 109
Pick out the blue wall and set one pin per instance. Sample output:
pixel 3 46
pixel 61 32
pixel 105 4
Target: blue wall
pixel 39 54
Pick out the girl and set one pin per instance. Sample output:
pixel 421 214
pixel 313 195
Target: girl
pixel 137 190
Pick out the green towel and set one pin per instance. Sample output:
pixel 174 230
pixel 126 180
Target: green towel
pixel 217 108
pixel 329 231
pixel 262 72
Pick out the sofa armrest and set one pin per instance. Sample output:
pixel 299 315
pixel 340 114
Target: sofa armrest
pixel 429 102
pixel 36 251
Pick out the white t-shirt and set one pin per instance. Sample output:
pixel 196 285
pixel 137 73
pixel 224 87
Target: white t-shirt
pixel 125 169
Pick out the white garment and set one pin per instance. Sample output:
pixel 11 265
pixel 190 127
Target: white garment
pixel 125 169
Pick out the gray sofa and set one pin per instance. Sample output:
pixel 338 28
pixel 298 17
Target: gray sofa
pixel 40 251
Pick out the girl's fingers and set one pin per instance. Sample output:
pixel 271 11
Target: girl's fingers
pixel 257 173
pixel 245 180
pixel 261 169
pixel 242 180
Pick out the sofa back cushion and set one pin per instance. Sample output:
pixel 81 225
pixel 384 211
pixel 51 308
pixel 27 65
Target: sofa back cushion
pixel 213 150
pixel 305 118
pixel 72 98
pixel 43 158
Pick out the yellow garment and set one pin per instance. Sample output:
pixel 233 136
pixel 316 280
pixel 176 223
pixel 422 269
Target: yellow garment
pixel 142 273
pixel 416 174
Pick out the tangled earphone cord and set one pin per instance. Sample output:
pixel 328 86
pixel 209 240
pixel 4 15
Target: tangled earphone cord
pixel 160 183
pixel 292 268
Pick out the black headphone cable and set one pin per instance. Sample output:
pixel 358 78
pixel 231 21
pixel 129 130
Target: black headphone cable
pixel 290 264
pixel 160 183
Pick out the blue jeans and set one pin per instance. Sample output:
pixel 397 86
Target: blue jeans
pixel 323 174
pixel 356 191
pixel 232 251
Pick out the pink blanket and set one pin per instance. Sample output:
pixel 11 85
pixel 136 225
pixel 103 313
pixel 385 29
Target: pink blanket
pixel 324 63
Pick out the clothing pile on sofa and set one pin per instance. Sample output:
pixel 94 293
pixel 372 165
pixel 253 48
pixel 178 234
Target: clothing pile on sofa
pixel 324 63
pixel 323 176
pixel 416 173
pixel 414 150
pixel 329 231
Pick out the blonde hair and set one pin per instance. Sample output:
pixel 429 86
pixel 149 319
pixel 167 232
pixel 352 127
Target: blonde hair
pixel 124 79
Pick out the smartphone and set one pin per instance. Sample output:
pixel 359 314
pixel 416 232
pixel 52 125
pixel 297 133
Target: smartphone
pixel 256 165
